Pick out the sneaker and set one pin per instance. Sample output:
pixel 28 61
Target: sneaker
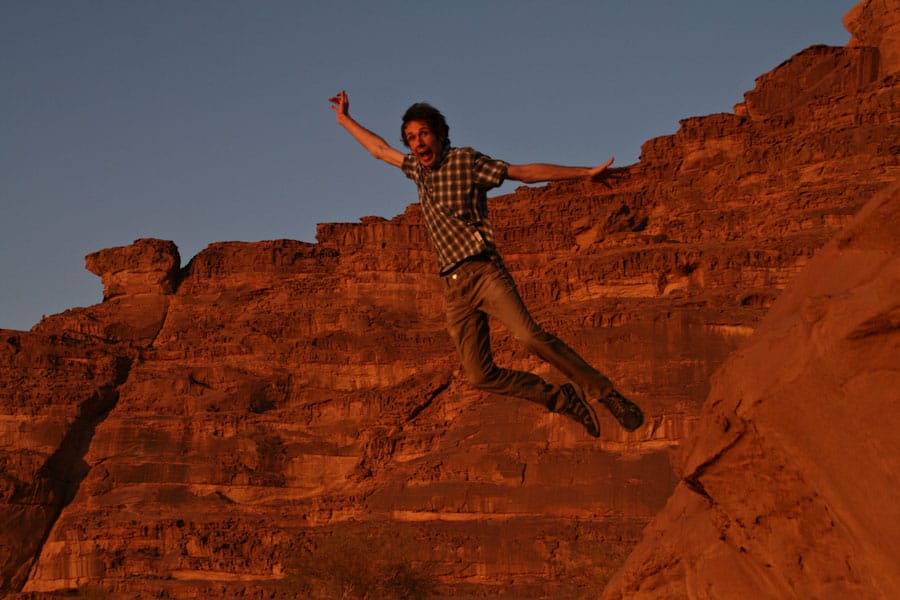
pixel 576 407
pixel 626 412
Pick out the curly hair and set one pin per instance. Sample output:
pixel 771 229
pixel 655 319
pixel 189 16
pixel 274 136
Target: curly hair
pixel 422 111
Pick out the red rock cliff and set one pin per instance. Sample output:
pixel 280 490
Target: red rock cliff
pixel 788 485
pixel 253 424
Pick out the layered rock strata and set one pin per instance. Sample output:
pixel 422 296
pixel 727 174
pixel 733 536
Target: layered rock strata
pixel 228 426
pixel 787 486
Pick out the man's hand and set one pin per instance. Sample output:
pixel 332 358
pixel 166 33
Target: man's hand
pixel 379 148
pixel 340 104
pixel 599 173
pixel 603 174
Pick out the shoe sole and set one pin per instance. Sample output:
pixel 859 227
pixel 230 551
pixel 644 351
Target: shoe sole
pixel 581 397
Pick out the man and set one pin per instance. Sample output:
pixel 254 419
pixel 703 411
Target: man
pixel 453 183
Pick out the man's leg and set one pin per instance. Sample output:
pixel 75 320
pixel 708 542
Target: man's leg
pixel 470 331
pixel 500 299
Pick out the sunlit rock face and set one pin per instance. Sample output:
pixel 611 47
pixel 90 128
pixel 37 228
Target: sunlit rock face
pixel 787 484
pixel 285 419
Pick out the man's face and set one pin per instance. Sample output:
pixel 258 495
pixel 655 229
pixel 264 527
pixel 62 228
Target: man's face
pixel 423 142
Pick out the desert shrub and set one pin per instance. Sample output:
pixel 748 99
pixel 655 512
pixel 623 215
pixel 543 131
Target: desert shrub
pixel 350 566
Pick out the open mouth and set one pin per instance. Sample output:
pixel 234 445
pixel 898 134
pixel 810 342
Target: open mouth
pixel 425 155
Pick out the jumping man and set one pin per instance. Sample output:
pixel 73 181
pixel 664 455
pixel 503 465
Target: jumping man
pixel 453 185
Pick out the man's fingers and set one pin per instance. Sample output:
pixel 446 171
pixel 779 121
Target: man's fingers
pixel 603 174
pixel 599 172
pixel 339 103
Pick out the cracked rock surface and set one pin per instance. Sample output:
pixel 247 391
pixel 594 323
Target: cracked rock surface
pixel 283 419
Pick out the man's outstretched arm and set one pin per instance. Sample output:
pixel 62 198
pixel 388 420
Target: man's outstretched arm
pixel 537 172
pixel 374 143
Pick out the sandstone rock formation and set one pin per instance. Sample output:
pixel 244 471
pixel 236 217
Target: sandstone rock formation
pixel 788 485
pixel 229 427
pixel 876 24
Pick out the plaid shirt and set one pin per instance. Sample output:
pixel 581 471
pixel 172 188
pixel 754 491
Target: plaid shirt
pixel 454 202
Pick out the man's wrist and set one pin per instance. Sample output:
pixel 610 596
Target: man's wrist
pixel 343 119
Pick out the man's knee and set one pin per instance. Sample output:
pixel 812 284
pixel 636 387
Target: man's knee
pixel 536 339
pixel 479 376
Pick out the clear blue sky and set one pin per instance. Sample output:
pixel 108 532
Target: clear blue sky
pixel 202 121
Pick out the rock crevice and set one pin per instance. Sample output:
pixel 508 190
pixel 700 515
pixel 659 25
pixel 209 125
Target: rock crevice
pixel 283 398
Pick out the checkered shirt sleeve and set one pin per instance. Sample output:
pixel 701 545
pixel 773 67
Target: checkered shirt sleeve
pixel 454 202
